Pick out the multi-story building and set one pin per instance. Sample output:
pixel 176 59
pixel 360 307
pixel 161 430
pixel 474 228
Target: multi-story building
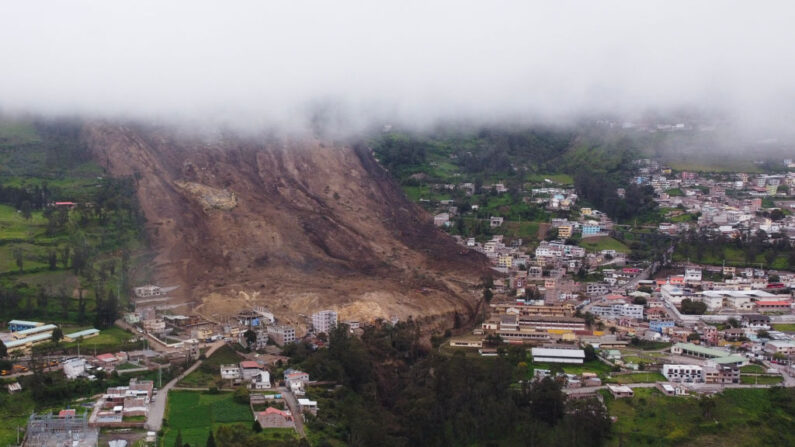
pixel 324 321
pixel 281 334
pixel 683 373
pixel 618 310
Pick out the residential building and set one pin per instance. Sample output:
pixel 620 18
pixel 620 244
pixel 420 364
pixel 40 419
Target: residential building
pixel 249 369
pixel 282 334
pixel 231 372
pixel 683 373
pixel 324 321
pixel 261 381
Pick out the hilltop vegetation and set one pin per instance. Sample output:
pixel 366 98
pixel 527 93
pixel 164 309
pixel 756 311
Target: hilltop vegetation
pixel 68 262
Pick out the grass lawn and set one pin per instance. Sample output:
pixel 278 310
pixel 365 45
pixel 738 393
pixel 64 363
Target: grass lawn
pixel 642 377
pixel 14 227
pixel 752 369
pixel 784 327
pixel 195 413
pixel 603 243
pixel 742 417
pixel 108 340
pixel 761 380
pixel 14 411
pixel 594 366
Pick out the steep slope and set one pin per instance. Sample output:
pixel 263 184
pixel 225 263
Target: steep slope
pixel 296 226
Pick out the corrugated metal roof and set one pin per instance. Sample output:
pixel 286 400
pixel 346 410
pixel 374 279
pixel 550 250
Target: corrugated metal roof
pixel 551 352
pixel 26 340
pixel 82 333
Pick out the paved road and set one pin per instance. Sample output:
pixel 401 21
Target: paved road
pixel 292 404
pixel 157 409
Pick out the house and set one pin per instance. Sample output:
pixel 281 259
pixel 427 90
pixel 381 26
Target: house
pixel 721 374
pixel 74 368
pixel 281 335
pixel 307 406
pixel 249 369
pixel 261 381
pixel 619 391
pixel 783 347
pixel 495 221
pixel 231 372
pixel 591 229
pixel 683 373
pixel 441 219
pixel 14 387
pixel 755 321
pixel 295 380
pixel 274 418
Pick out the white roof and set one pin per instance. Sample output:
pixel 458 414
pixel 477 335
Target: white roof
pixel 620 388
pixel 551 352
pixel 307 403
pixel 667 387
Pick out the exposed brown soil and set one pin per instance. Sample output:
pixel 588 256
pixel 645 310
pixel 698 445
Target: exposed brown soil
pixel 296 226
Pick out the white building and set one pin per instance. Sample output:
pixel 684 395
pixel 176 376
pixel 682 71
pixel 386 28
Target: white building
pixel 74 368
pixel 230 372
pixel 692 275
pixel 683 373
pixel 261 381
pixel 324 321
pixel 552 355
pixel 618 310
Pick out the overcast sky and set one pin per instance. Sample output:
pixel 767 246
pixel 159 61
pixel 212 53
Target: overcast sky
pixel 258 62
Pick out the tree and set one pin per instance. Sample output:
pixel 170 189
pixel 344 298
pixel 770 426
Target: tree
pixel 241 395
pixel 763 334
pixel 639 300
pixel 3 351
pixel 19 258
pixel 26 208
pixel 57 335
pixel 590 353
pixel 707 405
pixel 732 322
pixel 178 442
pixel 52 259
pixel 251 338
pixel 210 440
pixel 547 401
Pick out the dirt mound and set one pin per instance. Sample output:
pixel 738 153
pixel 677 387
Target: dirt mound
pixel 297 226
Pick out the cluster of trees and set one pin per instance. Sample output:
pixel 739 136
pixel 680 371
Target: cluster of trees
pixel 395 392
pixel 701 245
pixel 690 307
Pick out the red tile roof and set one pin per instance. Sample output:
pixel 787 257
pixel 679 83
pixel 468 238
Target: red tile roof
pixel 249 364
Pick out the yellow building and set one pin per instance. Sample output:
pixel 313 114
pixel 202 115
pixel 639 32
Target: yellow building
pixel 565 231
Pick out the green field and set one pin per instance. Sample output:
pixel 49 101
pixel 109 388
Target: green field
pixel 195 413
pixel 109 340
pixel 752 369
pixel 14 411
pixel 733 257
pixel 603 243
pixel 741 417
pixel 760 379
pixel 642 377
pixel 784 327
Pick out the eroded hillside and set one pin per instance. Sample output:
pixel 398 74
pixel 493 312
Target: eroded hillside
pixel 296 226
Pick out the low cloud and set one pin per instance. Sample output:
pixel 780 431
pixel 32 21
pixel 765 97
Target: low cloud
pixel 351 64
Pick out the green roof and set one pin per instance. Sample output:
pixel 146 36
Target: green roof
pixel 729 359
pixel 703 350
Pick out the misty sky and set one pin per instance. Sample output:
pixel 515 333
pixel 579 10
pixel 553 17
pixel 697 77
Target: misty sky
pixel 258 62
